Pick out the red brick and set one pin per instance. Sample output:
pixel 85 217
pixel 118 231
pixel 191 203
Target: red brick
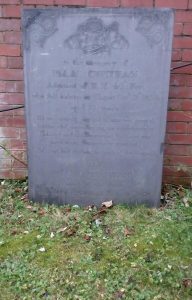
pixel 177 127
pixel 187 55
pixel 2 86
pixel 182 42
pixel 6 174
pixel 9 132
pixel 182 139
pixel 11 98
pixel 13 37
pixel 9 50
pixel 19 173
pixel 183 16
pixel 179 4
pixel 3 122
pixel 5 113
pixel 17 164
pixel 180 104
pixel 3 62
pixel 1 37
pixel 176 171
pixel 12 121
pixel 180 92
pixel 11 74
pixel 17 144
pixel 35 2
pixel 14 86
pixel 18 112
pixel 13 174
pixel 189 128
pixel 190 4
pixel 137 3
pixel 9 24
pixel 23 133
pixel 178 28
pixel 10 2
pixel 101 3
pixel 187 29
pixel 5 163
pixel 174 104
pixel 16 121
pixel 15 62
pixel 183 70
pixel 189 80
pixel 178 80
pixel 184 181
pixel 178 160
pixel 179 116
pixel 70 2
pixel 20 154
pixel 176 55
pixel 178 150
pixel 12 11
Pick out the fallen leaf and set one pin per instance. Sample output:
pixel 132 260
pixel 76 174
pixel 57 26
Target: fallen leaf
pixel 25 198
pixel 185 201
pixel 89 207
pixel 187 282
pixel 119 294
pixel 61 229
pixel 107 230
pixel 29 207
pixel 98 222
pixel 14 231
pixel 68 209
pixel 18 190
pixel 107 204
pixel 52 235
pixel 168 218
pixel 71 232
pixel 42 249
pixel 87 237
pixel 128 231
pixel 75 206
pixel 42 212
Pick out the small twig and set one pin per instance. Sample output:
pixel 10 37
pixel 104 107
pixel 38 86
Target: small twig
pixel 12 155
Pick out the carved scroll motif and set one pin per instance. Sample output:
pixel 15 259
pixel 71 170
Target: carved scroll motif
pixel 40 26
pixel 152 27
pixel 93 37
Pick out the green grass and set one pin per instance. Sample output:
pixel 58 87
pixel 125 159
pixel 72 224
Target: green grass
pixel 123 253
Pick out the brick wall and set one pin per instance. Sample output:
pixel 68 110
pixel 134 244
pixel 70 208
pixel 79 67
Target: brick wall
pixel 178 151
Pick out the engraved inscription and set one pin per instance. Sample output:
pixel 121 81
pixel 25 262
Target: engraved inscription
pixel 94 37
pixel 96 93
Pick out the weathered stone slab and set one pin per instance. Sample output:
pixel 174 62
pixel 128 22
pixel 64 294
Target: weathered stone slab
pixel 96 84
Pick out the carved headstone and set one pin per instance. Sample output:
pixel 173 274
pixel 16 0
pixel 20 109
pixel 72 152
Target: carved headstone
pixel 96 83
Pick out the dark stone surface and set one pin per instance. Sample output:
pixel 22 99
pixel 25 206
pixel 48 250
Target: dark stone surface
pixel 96 84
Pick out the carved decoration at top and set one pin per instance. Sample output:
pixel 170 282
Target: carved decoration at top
pixel 93 37
pixel 152 27
pixel 40 26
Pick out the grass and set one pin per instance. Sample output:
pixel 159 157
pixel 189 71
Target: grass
pixel 50 252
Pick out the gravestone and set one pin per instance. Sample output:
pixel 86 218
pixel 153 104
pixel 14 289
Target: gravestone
pixel 96 92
